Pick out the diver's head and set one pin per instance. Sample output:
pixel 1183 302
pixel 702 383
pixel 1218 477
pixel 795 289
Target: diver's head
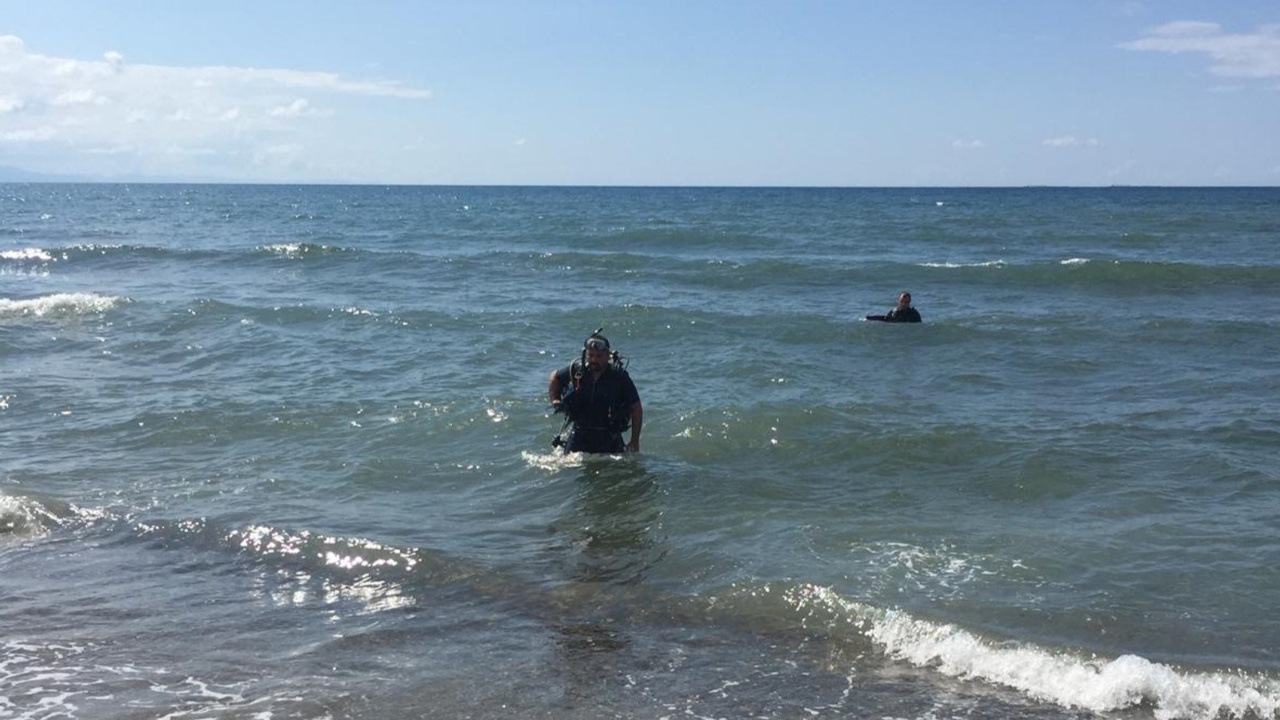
pixel 595 352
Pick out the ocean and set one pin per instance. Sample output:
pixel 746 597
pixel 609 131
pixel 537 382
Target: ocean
pixel 285 452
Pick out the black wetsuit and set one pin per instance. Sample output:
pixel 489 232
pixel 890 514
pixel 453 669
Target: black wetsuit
pixel 600 410
pixel 909 314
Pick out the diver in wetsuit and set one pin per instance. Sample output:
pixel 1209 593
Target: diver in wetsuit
pixel 599 400
pixel 902 313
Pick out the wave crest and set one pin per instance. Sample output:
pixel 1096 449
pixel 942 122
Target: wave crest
pixel 22 518
pixel 1060 677
pixel 26 254
pixel 60 304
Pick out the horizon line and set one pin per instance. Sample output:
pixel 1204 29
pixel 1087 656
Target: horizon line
pixel 331 183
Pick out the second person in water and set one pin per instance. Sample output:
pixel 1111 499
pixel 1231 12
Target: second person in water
pixel 902 313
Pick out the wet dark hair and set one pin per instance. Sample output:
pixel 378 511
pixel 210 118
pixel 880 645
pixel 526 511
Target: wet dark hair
pixel 596 342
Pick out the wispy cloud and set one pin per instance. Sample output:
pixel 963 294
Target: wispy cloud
pixel 273 151
pixel 39 134
pixel 115 150
pixel 57 106
pixel 81 96
pixel 1132 8
pixel 968 144
pixel 298 108
pixel 1241 55
pixel 1070 141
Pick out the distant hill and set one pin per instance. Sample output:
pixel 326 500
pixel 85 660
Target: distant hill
pixel 17 175
pixel 10 174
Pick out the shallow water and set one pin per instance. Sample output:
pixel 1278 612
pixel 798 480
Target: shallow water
pixel 284 451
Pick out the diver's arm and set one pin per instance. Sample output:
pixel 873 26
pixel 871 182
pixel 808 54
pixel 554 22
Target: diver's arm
pixel 553 390
pixel 880 318
pixel 637 422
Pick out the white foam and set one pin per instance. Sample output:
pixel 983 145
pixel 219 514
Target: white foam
pixel 295 250
pixel 1075 261
pixel 952 266
pixel 1061 677
pixel 285 249
pixel 937 572
pixel 59 304
pixel 26 254
pixel 23 518
pixel 553 460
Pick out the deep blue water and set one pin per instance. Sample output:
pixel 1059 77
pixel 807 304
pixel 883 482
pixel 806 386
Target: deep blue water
pixel 281 451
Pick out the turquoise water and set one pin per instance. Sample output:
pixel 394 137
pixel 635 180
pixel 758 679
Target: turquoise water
pixel 279 451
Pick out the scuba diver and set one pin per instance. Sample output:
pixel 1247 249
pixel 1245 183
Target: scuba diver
pixel 598 399
pixel 902 313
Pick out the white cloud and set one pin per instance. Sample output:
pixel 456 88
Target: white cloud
pixel 40 134
pixel 181 150
pixel 290 149
pixel 78 97
pixel 966 144
pixel 299 108
pixel 75 108
pixel 293 109
pixel 1245 55
pixel 1070 141
pixel 115 150
pixel 296 79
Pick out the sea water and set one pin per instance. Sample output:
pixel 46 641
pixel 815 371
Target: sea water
pixel 284 452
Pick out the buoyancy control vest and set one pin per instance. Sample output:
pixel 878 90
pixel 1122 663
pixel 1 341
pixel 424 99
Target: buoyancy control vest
pixel 600 404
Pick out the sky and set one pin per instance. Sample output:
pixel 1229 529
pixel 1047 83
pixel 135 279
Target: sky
pixel 856 93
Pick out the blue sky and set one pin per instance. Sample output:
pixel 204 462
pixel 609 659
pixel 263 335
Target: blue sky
pixel 660 92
